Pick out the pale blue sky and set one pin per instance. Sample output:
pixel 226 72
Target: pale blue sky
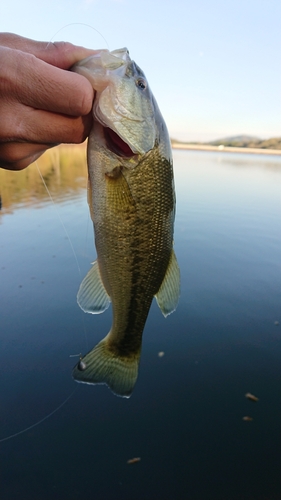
pixel 214 66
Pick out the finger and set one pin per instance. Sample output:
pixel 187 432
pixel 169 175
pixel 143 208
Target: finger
pixel 55 90
pixel 17 156
pixel 63 54
pixel 43 127
pixel 40 85
pixel 60 54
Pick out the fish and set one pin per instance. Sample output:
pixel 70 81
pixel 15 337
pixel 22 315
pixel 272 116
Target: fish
pixel 131 197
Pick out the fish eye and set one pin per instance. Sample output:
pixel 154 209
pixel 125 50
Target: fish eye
pixel 141 83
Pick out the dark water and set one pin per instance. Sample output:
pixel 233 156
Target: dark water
pixel 184 418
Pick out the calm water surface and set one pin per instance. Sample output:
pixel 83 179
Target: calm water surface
pixel 184 418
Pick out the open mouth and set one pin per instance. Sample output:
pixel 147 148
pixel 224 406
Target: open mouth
pixel 116 144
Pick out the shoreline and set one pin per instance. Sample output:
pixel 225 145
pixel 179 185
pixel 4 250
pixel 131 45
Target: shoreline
pixel 226 149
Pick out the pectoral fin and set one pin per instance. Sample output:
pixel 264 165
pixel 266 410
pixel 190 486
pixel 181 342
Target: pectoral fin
pixel 92 296
pixel 118 192
pixel 168 295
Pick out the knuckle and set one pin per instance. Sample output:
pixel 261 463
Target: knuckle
pixel 62 46
pixel 62 54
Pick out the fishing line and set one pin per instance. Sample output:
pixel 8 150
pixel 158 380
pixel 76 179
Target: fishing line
pixel 60 219
pixel 81 24
pixel 70 242
pixel 26 429
pixel 39 421
pixel 11 436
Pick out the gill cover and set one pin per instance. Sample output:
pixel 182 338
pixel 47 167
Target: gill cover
pixel 123 101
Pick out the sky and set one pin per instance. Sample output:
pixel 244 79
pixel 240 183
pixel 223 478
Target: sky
pixel 214 66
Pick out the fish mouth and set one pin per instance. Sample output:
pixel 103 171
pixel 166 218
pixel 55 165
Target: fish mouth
pixel 116 144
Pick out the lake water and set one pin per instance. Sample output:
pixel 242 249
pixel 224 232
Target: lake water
pixel 185 417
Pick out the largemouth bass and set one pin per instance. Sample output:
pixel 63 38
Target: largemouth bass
pixel 132 204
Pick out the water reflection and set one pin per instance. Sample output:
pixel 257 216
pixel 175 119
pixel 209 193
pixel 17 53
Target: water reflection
pixel 185 417
pixel 65 173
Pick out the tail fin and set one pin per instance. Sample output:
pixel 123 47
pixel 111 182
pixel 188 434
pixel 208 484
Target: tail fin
pixel 102 366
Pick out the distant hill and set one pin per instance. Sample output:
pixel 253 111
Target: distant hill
pixel 237 141
pixel 242 141
pixel 246 141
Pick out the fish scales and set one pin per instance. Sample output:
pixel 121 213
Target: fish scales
pixel 135 229
pixel 132 204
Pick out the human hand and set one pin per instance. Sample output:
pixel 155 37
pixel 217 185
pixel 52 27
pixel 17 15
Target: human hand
pixel 41 104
